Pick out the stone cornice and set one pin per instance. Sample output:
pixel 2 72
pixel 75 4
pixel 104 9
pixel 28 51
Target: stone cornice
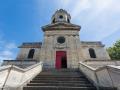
pixel 61 26
pixel 31 45
pixel 91 43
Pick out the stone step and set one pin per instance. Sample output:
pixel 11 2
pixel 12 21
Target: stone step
pixel 55 81
pixel 59 76
pixel 61 84
pixel 55 73
pixel 60 73
pixel 57 88
pixel 62 79
pixel 61 70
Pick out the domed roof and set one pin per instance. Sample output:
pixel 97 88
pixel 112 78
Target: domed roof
pixel 61 16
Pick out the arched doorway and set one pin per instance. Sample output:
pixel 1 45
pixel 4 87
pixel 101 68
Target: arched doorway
pixel 61 59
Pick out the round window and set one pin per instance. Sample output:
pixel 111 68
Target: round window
pixel 60 40
pixel 61 17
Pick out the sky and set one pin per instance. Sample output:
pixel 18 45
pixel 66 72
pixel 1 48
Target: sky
pixel 21 21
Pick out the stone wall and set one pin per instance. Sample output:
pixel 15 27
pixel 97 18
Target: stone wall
pixel 71 46
pixel 14 78
pixel 100 51
pixel 76 50
pixel 23 54
pixel 105 76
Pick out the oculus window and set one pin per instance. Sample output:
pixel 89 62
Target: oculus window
pixel 60 40
pixel 61 17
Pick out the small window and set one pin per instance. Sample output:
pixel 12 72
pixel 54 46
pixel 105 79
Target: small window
pixel 92 53
pixel 60 40
pixel 31 53
pixel 61 17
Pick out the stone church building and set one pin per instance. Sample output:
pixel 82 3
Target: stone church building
pixel 62 47
pixel 61 61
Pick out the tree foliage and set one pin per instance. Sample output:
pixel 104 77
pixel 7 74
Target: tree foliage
pixel 114 51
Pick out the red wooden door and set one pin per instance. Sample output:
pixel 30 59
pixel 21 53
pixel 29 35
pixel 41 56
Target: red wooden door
pixel 59 55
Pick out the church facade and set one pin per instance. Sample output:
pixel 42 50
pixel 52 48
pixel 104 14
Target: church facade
pixel 62 47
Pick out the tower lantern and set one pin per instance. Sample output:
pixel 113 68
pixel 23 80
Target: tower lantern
pixel 61 16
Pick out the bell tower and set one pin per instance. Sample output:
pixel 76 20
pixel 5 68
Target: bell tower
pixel 61 44
pixel 61 16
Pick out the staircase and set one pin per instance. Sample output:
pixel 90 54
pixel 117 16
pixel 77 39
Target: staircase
pixel 64 79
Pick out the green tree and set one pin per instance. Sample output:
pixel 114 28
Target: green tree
pixel 114 51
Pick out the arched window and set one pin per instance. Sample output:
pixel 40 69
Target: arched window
pixel 68 20
pixel 53 20
pixel 92 53
pixel 31 53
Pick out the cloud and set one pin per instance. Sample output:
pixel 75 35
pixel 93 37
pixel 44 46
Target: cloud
pixel 99 18
pixel 10 46
pixel 111 39
pixel 6 54
pixel 7 50
pixel 95 6
pixel 80 6
pixel 63 3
